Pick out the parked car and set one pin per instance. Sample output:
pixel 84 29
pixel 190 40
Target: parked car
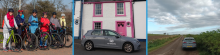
pixel 189 42
pixel 103 38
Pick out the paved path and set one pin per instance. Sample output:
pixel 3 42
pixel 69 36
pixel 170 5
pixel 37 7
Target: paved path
pixel 60 51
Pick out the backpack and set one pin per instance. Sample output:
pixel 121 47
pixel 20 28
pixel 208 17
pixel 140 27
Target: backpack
pixel 3 23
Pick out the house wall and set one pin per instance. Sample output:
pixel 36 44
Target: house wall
pixel 77 17
pixel 108 19
pixel 140 19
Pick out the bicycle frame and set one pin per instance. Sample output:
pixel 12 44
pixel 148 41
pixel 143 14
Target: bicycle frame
pixel 12 33
pixel 25 33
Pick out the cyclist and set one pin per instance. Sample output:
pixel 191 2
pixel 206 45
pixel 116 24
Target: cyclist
pixel 19 20
pixel 55 20
pixel 44 27
pixel 33 18
pixel 63 20
pixel 9 23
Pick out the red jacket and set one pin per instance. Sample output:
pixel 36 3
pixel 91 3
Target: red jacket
pixel 44 27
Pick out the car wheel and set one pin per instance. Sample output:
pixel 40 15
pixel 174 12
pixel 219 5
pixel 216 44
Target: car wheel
pixel 128 47
pixel 89 46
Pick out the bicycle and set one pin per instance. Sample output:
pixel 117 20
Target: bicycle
pixel 42 35
pixel 30 40
pixel 56 39
pixel 16 38
pixel 65 36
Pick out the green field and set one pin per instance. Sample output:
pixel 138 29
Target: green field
pixel 154 34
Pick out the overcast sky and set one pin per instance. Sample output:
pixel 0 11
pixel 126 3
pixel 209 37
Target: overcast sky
pixel 183 16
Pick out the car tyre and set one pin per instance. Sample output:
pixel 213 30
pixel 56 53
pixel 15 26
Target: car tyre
pixel 128 47
pixel 88 46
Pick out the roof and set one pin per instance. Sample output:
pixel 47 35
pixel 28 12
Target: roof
pixel 103 0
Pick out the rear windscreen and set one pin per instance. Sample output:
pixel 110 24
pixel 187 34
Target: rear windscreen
pixel 189 40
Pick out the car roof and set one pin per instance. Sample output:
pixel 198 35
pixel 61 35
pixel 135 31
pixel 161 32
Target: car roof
pixel 188 38
pixel 102 29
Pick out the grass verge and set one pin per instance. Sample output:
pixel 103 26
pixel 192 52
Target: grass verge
pixel 156 44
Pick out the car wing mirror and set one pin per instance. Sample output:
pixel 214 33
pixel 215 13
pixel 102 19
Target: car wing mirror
pixel 117 36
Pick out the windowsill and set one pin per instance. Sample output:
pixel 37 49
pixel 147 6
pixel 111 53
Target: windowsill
pixel 98 16
pixel 120 15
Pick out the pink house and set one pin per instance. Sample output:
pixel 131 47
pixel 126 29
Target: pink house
pixel 109 14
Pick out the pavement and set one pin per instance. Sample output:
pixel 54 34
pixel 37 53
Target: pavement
pixel 59 51
pixel 79 50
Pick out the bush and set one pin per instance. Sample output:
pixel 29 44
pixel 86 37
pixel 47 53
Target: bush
pixel 209 42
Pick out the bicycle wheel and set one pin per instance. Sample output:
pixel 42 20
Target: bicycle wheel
pixel 1 37
pixel 62 37
pixel 68 40
pixel 56 41
pixel 30 41
pixel 44 41
pixel 16 42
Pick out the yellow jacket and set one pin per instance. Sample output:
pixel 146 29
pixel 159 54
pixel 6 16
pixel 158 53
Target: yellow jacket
pixel 63 20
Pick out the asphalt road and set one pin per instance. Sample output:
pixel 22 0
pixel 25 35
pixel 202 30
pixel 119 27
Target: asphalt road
pixel 174 48
pixel 79 50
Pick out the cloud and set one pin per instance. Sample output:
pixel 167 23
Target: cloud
pixel 187 14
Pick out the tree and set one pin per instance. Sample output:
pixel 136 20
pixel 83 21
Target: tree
pixel 41 6
pixel 46 6
pixel 6 4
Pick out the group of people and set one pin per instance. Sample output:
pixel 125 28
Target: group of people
pixel 18 22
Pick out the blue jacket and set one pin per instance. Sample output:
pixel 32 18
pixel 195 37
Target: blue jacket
pixel 33 26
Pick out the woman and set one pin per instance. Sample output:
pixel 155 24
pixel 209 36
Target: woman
pixel 55 20
pixel 44 27
pixel 9 23
pixel 32 19
pixel 19 20
pixel 63 20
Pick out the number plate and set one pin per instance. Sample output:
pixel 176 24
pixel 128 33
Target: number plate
pixel 189 46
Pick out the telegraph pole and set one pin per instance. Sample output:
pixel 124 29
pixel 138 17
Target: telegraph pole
pixel 19 4
pixel 34 4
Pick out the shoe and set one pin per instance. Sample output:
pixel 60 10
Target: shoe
pixel 45 46
pixel 41 46
pixel 5 50
pixel 10 49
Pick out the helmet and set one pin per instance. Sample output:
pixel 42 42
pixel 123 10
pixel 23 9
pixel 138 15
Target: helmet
pixel 44 13
pixel 20 11
pixel 10 10
pixel 54 13
pixel 34 11
pixel 62 14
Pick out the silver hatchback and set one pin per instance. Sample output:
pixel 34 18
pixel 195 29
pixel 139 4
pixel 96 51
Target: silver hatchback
pixel 103 38
pixel 189 42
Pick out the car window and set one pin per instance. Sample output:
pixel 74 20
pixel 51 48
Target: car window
pixel 97 33
pixel 189 40
pixel 110 33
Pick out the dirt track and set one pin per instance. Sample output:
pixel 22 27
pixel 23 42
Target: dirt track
pixel 157 37
pixel 174 48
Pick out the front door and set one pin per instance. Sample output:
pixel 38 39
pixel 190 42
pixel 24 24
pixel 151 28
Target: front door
pixel 121 28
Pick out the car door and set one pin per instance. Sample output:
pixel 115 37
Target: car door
pixel 97 38
pixel 110 39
